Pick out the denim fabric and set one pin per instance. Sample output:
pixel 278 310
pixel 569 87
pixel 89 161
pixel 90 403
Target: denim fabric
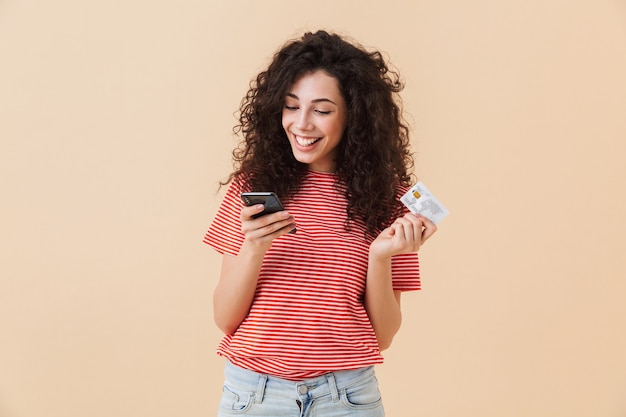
pixel 336 394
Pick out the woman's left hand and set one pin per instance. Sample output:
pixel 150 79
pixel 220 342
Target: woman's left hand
pixel 406 234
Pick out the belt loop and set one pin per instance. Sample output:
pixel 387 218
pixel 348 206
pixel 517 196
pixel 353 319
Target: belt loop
pixel 260 389
pixel 332 383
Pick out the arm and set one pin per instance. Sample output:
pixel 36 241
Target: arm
pixel 382 303
pixel 235 290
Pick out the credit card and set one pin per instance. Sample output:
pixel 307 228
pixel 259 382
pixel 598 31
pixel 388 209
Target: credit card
pixel 421 201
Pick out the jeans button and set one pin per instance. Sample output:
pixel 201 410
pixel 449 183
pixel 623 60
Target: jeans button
pixel 302 389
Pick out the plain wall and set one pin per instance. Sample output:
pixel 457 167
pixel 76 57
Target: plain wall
pixel 115 127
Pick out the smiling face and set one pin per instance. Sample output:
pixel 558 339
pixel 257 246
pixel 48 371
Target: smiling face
pixel 314 118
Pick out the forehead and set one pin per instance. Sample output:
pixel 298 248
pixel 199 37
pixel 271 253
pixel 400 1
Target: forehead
pixel 315 83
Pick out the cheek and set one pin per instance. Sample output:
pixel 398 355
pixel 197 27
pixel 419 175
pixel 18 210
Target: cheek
pixel 337 128
pixel 287 119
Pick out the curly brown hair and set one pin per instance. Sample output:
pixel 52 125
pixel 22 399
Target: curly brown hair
pixel 373 156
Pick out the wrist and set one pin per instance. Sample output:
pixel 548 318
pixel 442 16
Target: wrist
pixel 375 256
pixel 252 250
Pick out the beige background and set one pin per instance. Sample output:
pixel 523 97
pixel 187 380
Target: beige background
pixel 115 121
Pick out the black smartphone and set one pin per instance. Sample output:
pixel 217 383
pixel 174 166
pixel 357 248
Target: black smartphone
pixel 269 200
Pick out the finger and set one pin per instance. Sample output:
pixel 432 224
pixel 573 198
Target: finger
pixel 429 229
pixel 249 211
pixel 277 223
pixel 412 230
pixel 262 230
pixel 411 233
pixel 389 231
pixel 417 227
pixel 398 229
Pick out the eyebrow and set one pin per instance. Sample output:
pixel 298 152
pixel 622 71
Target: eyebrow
pixel 317 100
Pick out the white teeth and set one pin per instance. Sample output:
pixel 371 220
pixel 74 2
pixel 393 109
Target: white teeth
pixel 305 141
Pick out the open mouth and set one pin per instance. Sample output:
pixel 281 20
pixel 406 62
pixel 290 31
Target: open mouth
pixel 306 141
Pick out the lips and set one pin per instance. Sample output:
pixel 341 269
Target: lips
pixel 306 141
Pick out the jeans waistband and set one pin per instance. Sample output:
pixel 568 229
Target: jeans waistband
pixel 328 384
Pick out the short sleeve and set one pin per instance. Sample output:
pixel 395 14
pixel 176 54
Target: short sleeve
pixel 405 268
pixel 224 234
pixel 405 272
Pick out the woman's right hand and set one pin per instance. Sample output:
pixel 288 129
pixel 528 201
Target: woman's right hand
pixel 234 293
pixel 261 231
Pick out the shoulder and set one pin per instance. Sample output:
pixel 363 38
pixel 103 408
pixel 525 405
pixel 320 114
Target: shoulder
pixel 402 189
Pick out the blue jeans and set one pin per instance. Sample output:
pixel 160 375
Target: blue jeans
pixel 336 394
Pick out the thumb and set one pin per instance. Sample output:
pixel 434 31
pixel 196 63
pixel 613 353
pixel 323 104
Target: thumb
pixel 388 232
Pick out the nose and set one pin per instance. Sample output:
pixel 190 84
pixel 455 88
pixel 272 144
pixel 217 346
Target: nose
pixel 303 122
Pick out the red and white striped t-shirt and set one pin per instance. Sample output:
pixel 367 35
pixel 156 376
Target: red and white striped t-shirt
pixel 307 317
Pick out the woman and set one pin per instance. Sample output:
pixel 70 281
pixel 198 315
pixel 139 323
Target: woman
pixel 306 314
